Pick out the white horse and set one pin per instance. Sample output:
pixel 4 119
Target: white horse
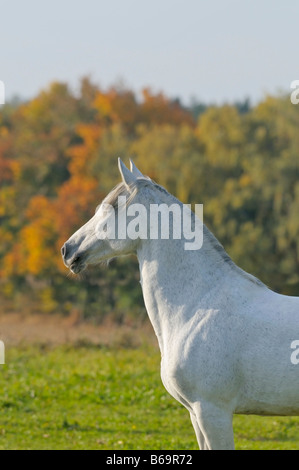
pixel 225 338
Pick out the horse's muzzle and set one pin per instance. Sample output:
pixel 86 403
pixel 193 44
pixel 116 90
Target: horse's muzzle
pixel 74 262
pixel 77 265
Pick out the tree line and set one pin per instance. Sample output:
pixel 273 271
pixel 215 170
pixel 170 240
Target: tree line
pixel 58 159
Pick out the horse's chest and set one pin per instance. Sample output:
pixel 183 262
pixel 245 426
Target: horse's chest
pixel 173 382
pixel 168 381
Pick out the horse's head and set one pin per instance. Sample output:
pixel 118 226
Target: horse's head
pixel 105 235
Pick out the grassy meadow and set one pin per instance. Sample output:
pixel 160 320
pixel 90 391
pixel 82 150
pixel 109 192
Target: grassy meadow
pixel 88 397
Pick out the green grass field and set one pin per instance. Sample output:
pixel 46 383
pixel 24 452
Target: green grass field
pixel 72 397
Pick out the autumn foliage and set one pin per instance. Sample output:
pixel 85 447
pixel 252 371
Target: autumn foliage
pixel 58 159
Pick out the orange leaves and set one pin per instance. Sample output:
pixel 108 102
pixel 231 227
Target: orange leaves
pixel 157 109
pixel 90 133
pixel 33 252
pixel 122 106
pixel 76 200
pixel 6 173
pixel 78 196
pixel 82 153
pixel 117 107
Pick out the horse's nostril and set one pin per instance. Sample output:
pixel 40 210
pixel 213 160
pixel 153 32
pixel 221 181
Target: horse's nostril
pixel 63 251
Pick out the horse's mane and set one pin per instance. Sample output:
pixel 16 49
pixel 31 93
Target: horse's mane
pixel 122 189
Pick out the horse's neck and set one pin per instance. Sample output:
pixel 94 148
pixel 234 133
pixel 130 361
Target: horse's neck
pixel 174 281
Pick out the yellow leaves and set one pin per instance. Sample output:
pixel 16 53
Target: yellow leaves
pixel 5 237
pixel 40 206
pixel 169 155
pixel 34 252
pixel 6 163
pixel 12 263
pixel 103 104
pixel 38 110
pixel 267 108
pixel 220 131
pixel 245 180
pixel 50 223
pixel 15 168
pixel 4 132
pixel 48 304
pixel 32 110
pixel 38 254
pixel 7 194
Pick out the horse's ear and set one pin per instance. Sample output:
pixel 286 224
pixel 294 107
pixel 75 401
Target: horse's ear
pixel 135 170
pixel 127 177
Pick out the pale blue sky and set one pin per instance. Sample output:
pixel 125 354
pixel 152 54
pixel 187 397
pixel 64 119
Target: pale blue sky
pixel 216 50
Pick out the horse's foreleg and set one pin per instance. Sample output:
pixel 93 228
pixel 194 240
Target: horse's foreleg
pixel 216 426
pixel 199 435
